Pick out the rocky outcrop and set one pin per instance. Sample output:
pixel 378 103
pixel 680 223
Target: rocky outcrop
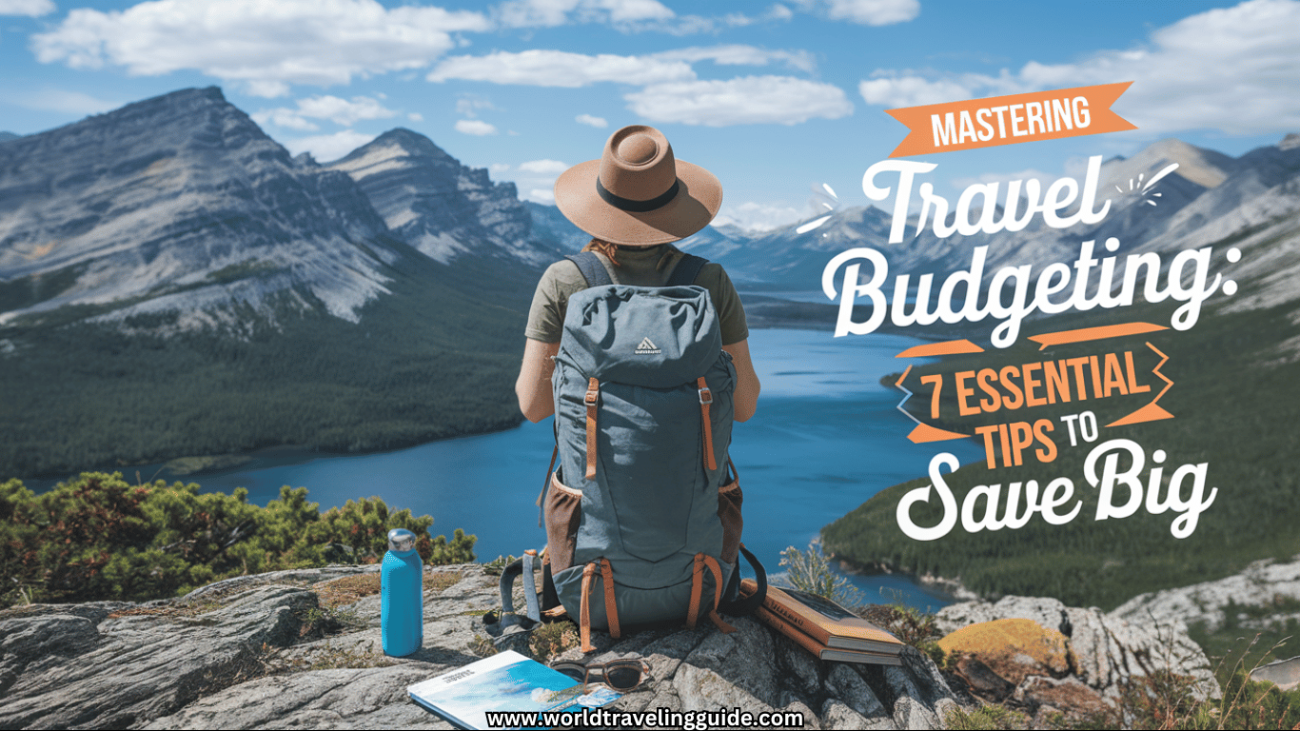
pixel 109 665
pixel 247 653
pixel 303 649
pixel 1268 585
pixel 1105 651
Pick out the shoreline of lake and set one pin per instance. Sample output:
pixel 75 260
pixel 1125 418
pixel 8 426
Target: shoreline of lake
pixel 827 437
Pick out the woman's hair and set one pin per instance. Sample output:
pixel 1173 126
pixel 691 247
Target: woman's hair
pixel 604 247
pixel 610 250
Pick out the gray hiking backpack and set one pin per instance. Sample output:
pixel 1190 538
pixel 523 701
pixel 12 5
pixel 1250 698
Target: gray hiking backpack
pixel 642 514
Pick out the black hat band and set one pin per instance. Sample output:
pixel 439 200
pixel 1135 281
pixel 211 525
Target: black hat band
pixel 631 206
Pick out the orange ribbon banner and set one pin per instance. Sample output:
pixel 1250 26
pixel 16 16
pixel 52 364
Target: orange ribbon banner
pixel 1010 120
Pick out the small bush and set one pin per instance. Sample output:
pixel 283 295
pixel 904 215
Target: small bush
pixel 911 626
pixel 985 717
pixel 482 646
pixel 810 571
pixel 553 639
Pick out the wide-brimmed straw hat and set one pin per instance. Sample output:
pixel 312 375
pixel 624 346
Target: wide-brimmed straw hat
pixel 638 193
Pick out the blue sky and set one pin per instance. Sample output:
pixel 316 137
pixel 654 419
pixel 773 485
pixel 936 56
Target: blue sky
pixel 771 97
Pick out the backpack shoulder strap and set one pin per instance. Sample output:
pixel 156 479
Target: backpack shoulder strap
pixel 592 270
pixel 686 270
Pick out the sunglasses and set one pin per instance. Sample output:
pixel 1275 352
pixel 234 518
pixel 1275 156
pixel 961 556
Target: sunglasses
pixel 620 675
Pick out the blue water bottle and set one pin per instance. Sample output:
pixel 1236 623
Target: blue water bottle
pixel 401 581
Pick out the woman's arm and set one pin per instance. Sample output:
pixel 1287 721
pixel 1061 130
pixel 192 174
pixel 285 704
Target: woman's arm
pixel 534 385
pixel 747 385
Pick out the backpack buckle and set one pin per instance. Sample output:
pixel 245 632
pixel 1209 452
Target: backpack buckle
pixel 706 396
pixel 592 397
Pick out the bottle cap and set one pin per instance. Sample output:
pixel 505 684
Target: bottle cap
pixel 401 539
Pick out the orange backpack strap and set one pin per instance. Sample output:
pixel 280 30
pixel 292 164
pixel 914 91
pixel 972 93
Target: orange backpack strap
pixel 592 399
pixel 697 585
pixel 706 398
pixel 584 612
pixel 611 609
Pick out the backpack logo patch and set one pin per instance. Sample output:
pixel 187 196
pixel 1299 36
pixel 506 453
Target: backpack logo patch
pixel 646 347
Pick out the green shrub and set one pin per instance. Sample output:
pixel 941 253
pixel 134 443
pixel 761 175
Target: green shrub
pixel 810 571
pixel 97 537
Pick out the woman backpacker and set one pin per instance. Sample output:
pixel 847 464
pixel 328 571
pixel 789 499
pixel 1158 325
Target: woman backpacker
pixel 641 353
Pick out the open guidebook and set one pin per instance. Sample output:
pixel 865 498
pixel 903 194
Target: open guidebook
pixel 508 683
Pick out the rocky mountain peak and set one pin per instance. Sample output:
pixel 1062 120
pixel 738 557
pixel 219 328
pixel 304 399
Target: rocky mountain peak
pixel 412 143
pixel 444 209
pixel 1205 168
pixel 179 204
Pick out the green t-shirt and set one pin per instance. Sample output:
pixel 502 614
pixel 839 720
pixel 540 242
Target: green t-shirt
pixel 648 266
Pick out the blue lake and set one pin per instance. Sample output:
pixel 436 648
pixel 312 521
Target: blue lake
pixel 827 437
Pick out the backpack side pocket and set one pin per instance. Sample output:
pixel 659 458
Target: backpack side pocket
pixel 563 512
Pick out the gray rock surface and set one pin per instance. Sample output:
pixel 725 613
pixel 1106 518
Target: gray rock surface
pixel 1263 584
pixel 113 665
pixel 1107 649
pixel 241 654
pixel 1285 674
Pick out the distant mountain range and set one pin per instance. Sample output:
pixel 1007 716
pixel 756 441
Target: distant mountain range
pixel 1209 198
pixel 177 229
pixel 168 274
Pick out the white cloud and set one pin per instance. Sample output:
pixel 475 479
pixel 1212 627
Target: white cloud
pixel 590 121
pixel 535 179
pixel 740 55
pixel 339 111
pixel 415 117
pixel 1229 69
pixel 752 216
pixel 265 88
pixel 559 68
pixel 267 45
pixel 543 166
pixel 70 102
pixel 33 8
pixel 551 13
pixel 745 100
pixel 476 127
pixel 343 111
pixel 282 117
pixel 779 12
pixel 327 148
pixel 865 12
pixel 911 91
pixel 873 12
pixel 468 106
